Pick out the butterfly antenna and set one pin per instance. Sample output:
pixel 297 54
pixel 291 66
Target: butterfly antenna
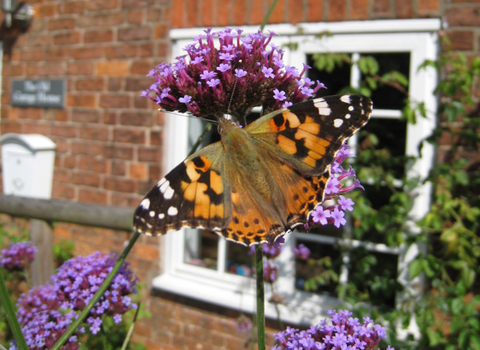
pixel 231 96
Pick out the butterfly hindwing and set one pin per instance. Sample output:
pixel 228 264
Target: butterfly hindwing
pixel 193 194
pixel 308 135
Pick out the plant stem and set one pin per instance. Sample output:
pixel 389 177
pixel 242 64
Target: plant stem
pixel 260 297
pixel 74 326
pixel 130 329
pixel 267 16
pixel 11 317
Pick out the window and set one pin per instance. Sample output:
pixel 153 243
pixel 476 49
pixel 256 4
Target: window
pixel 202 266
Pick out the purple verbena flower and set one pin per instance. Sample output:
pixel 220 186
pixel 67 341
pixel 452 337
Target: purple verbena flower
pixel 337 336
pixel 301 252
pixel 17 256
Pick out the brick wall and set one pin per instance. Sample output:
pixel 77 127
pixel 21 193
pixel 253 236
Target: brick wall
pixel 110 140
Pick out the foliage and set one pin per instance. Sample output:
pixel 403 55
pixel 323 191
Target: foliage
pixel 447 312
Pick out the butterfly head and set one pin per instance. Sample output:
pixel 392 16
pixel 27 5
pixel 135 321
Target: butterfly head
pixel 226 123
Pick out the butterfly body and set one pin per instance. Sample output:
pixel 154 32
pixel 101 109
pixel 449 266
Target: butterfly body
pixel 260 181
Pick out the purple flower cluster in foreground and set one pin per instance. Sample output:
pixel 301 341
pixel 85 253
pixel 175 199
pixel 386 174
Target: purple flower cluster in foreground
pixel 335 204
pixel 345 333
pixel 46 311
pixel 18 256
pixel 224 69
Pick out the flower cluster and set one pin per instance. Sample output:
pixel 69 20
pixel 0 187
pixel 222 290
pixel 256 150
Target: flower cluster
pixel 333 209
pixel 345 332
pixel 46 311
pixel 18 256
pixel 225 72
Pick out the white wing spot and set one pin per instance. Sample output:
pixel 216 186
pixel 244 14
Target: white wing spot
pixel 160 183
pixel 337 123
pixel 169 192
pixel 151 213
pixel 145 204
pixel 172 211
pixel 322 105
pixel 164 185
pixel 161 216
pixel 351 108
pixel 347 116
pixel 346 99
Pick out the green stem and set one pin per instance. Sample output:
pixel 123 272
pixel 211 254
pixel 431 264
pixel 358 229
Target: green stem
pixel 260 297
pixel 130 330
pixel 267 16
pixel 206 129
pixel 11 317
pixel 74 326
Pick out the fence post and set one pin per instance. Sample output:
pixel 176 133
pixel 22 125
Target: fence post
pixel 27 163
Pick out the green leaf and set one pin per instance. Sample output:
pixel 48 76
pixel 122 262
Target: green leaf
pixel 415 268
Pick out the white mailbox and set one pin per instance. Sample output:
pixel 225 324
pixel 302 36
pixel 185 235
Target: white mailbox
pixel 27 165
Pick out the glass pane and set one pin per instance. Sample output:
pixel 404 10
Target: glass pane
pixel 320 272
pixel 374 274
pixel 335 80
pixel 388 97
pixel 201 248
pixel 239 261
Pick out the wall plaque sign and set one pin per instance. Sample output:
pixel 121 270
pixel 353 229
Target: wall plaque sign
pixel 42 93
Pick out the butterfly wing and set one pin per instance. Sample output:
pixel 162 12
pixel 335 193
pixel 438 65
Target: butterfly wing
pixel 193 194
pixel 308 135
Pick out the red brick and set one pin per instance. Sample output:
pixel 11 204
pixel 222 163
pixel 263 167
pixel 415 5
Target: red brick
pixel 154 15
pixel 118 168
pixel 141 68
pixel 98 36
pixel 141 102
pixel 116 84
pixel 461 40
pixel 337 10
pixel 96 133
pixel 382 9
pixel 315 11
pixel 178 13
pixel 58 54
pixel 120 184
pixel 257 12
pixel 63 191
pixel 468 15
pixel 31 55
pixel 99 5
pixel 129 200
pixel 277 15
pixel 36 128
pixel 113 68
pixel 136 118
pixel 88 148
pixel 86 116
pixel 83 68
pixel 403 9
pixel 28 113
pixel 295 13
pixel 110 118
pixel 359 9
pixel 90 84
pixel 62 175
pixel 73 7
pixel 68 162
pixel 118 152
pixel 63 131
pixel 106 20
pixel 138 171
pixel 161 31
pixel 11 126
pixel 192 13
pixel 136 16
pixel 207 15
pixel 154 172
pixel 83 100
pixel 61 23
pixel 44 10
pixel 149 154
pixel 95 164
pixel 13 70
pixel 134 33
pixel 69 38
pixel 427 7
pixel 129 136
pixel 114 101
pixel 87 53
pixel 92 196
pixel 122 51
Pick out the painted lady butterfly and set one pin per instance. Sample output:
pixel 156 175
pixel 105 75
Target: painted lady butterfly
pixel 260 181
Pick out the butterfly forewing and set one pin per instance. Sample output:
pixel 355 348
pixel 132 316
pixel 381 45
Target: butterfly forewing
pixel 308 135
pixel 193 194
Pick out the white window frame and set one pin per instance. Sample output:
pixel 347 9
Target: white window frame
pixel 419 37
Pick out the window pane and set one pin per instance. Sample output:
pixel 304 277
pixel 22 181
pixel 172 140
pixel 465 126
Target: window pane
pixel 375 274
pixel 239 261
pixel 320 272
pixel 334 80
pixel 201 248
pixel 388 97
